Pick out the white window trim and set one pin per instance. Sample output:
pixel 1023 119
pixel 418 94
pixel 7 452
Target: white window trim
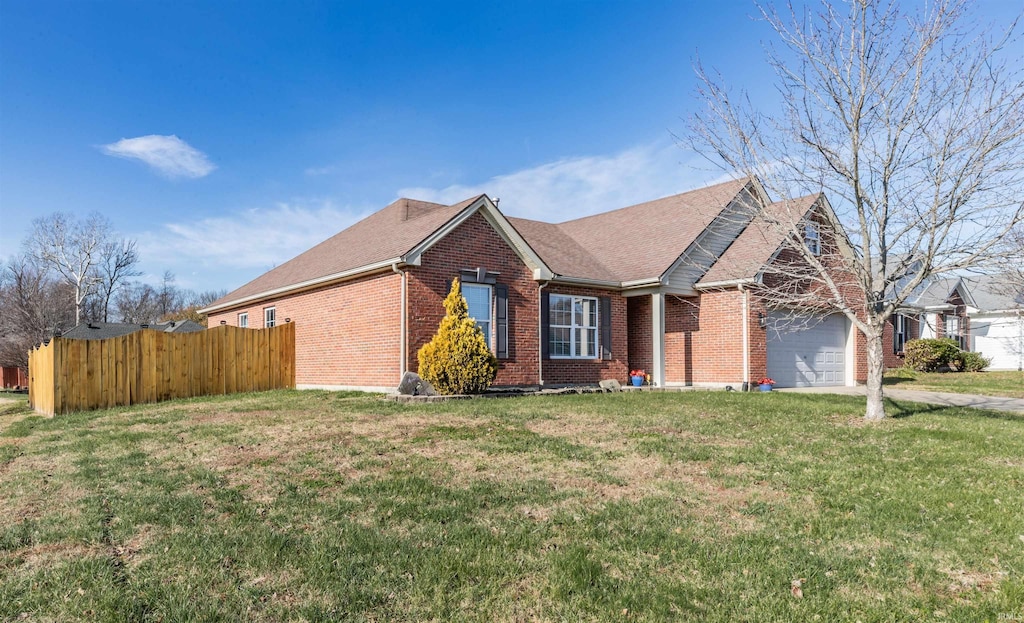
pixel 812 238
pixel 269 322
pixel 573 327
pixel 490 310
pixel 243 320
pixel 900 327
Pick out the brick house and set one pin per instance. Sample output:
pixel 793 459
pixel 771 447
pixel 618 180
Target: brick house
pixel 937 309
pixel 662 285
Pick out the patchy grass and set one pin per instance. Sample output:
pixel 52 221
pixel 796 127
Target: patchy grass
pixel 313 506
pixel 1009 384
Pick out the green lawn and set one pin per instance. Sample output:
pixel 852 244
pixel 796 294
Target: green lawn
pixel 1009 384
pixel 700 506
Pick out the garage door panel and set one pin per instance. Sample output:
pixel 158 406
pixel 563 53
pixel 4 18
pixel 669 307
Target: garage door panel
pixel 812 353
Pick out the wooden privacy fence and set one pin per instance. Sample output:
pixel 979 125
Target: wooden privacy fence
pixel 150 366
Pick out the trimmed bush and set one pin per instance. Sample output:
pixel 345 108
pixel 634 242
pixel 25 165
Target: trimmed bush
pixel 928 355
pixel 974 362
pixel 457 359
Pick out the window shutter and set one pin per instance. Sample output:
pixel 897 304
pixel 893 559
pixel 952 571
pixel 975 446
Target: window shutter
pixel 501 316
pixel 605 316
pixel 545 321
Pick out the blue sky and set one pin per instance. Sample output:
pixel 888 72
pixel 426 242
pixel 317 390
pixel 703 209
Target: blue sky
pixel 227 137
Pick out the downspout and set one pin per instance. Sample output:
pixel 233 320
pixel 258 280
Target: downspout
pixel 746 337
pixel 401 324
pixel 540 335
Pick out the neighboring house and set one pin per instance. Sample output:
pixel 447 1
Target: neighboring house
pixel 937 309
pixel 663 286
pixel 997 321
pixel 104 330
pixel 14 377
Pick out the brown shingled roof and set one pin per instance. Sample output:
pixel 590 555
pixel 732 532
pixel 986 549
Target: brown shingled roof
pixel 753 248
pixel 384 235
pixel 628 244
pixel 562 254
pixel 643 241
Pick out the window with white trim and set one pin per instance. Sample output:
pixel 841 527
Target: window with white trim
pixel 243 320
pixel 478 299
pixel 900 330
pixel 953 330
pixel 572 327
pixel 812 238
pixel 269 317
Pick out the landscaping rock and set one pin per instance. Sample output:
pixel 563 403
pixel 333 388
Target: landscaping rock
pixel 413 385
pixel 611 385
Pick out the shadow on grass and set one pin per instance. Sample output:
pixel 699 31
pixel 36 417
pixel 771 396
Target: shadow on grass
pixel 898 409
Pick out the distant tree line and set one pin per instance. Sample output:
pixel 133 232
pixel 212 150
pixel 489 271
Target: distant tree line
pixel 72 270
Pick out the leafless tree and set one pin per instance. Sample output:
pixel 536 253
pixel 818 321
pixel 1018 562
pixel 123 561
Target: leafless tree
pixel 33 307
pixel 910 123
pixel 71 248
pixel 118 261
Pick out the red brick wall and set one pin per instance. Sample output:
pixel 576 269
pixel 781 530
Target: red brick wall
pixel 346 334
pixel 472 244
pixel 704 339
pixel 641 339
pixel 562 371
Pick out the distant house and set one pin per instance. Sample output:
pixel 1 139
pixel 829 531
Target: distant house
pixel 664 285
pixel 997 321
pixel 14 377
pixel 104 330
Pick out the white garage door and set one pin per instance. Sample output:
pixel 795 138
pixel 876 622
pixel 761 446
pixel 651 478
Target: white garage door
pixel 805 354
pixel 1001 339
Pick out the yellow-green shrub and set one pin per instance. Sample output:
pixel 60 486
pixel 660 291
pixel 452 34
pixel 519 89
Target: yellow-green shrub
pixel 457 359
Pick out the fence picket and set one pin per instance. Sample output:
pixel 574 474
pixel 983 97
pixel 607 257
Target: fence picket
pixel 149 366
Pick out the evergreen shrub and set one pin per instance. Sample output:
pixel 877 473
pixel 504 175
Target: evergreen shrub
pixel 457 359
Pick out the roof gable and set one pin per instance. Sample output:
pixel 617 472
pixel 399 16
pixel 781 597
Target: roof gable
pixel 758 243
pixel 644 241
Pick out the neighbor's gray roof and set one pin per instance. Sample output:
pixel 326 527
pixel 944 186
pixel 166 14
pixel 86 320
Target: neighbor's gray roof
pixel 994 293
pixel 935 291
pixel 104 330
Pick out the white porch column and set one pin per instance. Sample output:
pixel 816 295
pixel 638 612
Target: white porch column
pixel 658 336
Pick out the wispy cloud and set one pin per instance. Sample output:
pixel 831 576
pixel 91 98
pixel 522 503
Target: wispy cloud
pixel 579 186
pixel 168 155
pixel 255 239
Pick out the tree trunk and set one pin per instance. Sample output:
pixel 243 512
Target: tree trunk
pixel 875 410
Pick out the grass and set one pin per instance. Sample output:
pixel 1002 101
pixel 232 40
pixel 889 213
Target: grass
pixel 314 506
pixel 1009 384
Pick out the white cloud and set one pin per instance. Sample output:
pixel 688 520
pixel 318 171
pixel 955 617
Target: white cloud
pixel 169 155
pixel 219 251
pixel 579 186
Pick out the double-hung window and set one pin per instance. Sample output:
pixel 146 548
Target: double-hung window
pixel 572 332
pixel 812 238
pixel 243 320
pixel 269 317
pixel 899 337
pixel 478 298
pixel 953 330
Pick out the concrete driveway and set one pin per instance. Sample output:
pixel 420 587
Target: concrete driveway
pixel 993 403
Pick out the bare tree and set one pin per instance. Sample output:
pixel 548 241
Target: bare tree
pixel 71 248
pixel 33 307
pixel 911 124
pixel 118 261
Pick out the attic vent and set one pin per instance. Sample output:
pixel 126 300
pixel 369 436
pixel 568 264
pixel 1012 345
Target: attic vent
pixel 91 325
pixel 145 326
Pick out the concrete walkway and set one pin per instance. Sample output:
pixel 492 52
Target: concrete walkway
pixel 993 403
